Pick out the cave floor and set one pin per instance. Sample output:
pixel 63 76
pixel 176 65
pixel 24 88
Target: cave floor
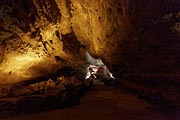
pixel 103 103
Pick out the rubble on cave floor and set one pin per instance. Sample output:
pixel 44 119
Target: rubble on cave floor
pixel 49 92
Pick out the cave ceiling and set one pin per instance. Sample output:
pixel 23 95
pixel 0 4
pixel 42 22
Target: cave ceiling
pixel 40 36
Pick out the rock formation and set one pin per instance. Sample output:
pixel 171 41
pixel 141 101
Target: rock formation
pixel 137 40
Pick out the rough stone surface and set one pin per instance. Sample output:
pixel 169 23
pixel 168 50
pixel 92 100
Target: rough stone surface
pixel 104 103
pixel 140 36
pixel 137 40
pixel 40 96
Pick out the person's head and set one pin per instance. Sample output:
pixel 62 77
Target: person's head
pixel 90 69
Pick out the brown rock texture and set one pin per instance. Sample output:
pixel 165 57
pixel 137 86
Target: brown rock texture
pixel 137 40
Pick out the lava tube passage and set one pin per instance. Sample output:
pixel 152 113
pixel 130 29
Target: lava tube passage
pixel 97 69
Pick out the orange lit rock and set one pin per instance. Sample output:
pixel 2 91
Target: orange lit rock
pixel 137 40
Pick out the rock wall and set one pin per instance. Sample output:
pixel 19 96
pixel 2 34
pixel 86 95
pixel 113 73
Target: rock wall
pixel 36 39
pixel 101 25
pixel 143 36
pixel 137 40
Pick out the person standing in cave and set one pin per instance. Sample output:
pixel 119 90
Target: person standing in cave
pixel 92 72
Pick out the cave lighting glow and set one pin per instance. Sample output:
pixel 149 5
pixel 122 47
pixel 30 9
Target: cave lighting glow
pixel 92 70
pixel 15 67
pixel 18 65
pixel 96 65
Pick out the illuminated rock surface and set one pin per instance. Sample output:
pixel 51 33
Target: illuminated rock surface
pixel 144 40
pixel 137 40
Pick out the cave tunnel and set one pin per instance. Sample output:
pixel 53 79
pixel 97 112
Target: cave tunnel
pixel 90 59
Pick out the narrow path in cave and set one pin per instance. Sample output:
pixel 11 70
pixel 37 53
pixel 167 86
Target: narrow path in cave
pixel 102 103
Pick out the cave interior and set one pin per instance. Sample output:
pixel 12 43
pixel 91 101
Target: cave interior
pixel 53 51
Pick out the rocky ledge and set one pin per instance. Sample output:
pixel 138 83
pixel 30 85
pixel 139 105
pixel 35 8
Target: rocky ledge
pixel 42 94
